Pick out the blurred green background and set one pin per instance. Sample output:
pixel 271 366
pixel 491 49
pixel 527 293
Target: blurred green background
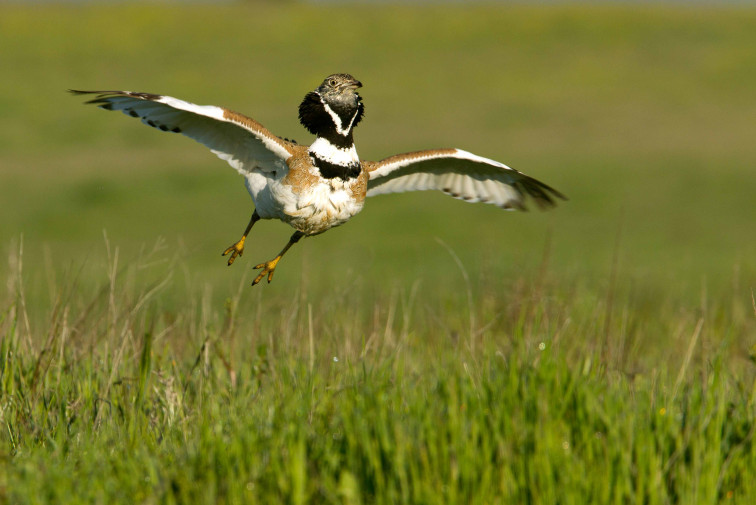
pixel 644 116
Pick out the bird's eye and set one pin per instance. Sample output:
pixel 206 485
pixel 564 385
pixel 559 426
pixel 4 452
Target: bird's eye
pixel 332 82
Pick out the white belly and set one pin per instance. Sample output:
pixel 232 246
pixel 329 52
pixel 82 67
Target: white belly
pixel 313 210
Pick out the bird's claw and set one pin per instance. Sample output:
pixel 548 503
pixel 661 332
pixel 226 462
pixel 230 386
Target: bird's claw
pixel 268 268
pixel 235 250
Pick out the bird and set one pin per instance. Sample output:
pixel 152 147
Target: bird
pixel 317 187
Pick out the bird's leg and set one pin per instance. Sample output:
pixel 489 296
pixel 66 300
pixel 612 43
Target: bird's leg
pixel 238 248
pixel 270 266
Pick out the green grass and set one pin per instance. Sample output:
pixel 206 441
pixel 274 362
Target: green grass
pixel 530 397
pixel 430 351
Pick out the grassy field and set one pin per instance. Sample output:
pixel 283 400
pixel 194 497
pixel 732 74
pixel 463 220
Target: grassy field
pixel 429 351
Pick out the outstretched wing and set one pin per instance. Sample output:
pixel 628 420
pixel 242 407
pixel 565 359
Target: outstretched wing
pixel 460 174
pixel 243 142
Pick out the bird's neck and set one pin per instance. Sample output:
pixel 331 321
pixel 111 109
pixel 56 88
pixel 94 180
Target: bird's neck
pixel 333 151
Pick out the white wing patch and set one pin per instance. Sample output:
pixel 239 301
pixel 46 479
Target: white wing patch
pixel 460 174
pixel 211 111
pixel 245 144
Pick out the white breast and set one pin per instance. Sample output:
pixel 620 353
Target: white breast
pixel 325 205
pixel 314 210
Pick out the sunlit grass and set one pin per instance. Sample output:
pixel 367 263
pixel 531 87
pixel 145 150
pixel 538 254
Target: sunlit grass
pixel 542 393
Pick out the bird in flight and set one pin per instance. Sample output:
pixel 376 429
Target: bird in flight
pixel 321 186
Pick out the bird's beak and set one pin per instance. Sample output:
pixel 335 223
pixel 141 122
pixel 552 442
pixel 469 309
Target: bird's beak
pixel 355 84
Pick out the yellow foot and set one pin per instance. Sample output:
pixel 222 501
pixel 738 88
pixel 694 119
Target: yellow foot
pixel 269 267
pixel 235 250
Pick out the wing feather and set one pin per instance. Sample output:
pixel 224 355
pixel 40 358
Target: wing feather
pixel 460 174
pixel 241 141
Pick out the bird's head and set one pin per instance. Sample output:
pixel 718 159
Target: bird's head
pixel 339 88
pixel 334 108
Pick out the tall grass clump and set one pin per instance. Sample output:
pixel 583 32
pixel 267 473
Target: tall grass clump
pixel 148 389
